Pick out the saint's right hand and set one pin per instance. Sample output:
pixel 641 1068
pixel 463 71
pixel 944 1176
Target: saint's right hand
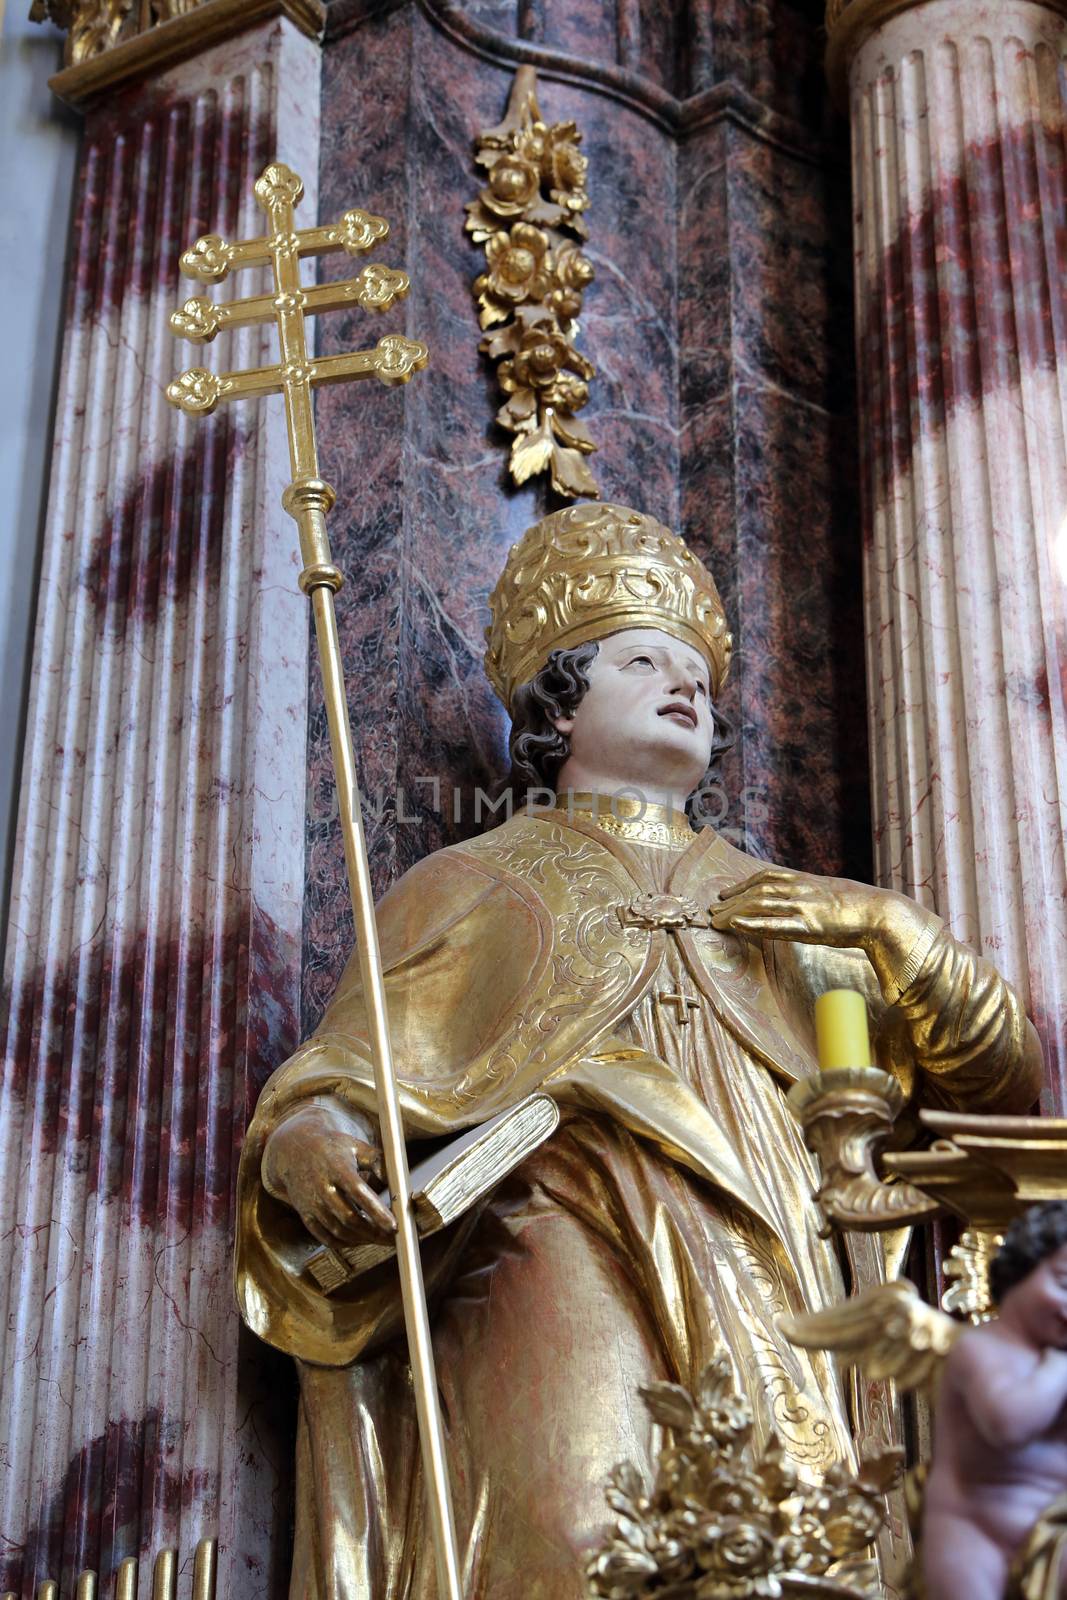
pixel 315 1163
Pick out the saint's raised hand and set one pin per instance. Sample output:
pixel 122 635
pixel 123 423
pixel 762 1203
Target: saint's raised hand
pixel 775 903
pixel 315 1163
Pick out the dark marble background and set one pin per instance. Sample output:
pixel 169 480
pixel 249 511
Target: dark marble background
pixel 720 327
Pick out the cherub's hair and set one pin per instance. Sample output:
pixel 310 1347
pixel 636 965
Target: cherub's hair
pixel 538 750
pixel 1030 1239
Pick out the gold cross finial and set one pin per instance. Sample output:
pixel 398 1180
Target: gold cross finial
pixel 295 374
pixel 197 392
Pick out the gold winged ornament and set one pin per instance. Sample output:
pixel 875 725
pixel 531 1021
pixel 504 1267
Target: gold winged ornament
pixel 889 1331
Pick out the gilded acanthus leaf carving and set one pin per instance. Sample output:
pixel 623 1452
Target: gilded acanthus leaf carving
pixel 530 294
pixel 847 1115
pixel 91 26
pixel 727 1520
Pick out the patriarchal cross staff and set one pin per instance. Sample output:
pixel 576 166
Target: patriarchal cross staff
pixel 308 499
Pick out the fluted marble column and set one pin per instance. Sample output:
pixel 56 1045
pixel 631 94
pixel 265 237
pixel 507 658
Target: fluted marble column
pixel 152 977
pixel 960 190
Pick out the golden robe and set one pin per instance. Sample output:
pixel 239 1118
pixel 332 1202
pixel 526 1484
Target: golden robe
pixel 669 1214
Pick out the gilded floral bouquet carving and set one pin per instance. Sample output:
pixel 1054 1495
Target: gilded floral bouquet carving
pixel 530 294
pixel 725 1520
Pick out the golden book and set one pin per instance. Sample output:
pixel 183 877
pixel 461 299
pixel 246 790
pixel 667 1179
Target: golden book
pixel 449 1182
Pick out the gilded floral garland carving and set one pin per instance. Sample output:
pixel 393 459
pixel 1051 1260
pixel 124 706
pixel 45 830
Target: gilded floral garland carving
pixel 727 1520
pixel 528 216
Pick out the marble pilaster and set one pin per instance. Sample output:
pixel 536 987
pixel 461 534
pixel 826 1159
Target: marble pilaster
pixel 960 181
pixel 152 973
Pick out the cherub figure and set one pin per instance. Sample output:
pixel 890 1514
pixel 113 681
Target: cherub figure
pixel 1000 1426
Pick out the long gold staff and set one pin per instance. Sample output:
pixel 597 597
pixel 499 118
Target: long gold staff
pixel 308 499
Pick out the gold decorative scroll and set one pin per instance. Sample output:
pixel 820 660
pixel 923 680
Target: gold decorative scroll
pixel 110 42
pixel 164 1578
pixel 984 1169
pixel 91 26
pixel 967 1293
pixel 847 1115
pixel 528 216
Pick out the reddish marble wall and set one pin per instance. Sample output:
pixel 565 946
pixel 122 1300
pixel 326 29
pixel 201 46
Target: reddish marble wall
pixel 720 327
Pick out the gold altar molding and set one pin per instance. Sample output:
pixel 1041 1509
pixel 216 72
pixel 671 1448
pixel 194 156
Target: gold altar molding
pixel 531 292
pixel 850 22
pixel 111 43
pixel 164 1578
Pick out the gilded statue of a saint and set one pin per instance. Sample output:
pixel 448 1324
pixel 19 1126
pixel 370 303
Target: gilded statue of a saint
pixel 657 983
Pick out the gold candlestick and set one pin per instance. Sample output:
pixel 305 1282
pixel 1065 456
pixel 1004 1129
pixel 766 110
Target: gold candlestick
pixel 847 1111
pixel 308 500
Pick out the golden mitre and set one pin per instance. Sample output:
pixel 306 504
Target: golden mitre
pixel 591 570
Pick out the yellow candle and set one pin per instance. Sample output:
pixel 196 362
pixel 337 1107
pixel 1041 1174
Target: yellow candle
pixel 841 1029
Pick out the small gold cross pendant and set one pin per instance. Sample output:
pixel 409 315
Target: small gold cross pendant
pixel 683 1004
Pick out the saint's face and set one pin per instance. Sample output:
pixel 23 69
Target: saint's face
pixel 1043 1297
pixel 646 718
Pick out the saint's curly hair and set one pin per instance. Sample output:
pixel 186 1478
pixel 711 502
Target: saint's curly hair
pixel 1031 1239
pixel 538 750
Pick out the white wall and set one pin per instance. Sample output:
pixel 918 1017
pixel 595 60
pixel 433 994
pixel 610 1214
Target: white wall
pixel 38 150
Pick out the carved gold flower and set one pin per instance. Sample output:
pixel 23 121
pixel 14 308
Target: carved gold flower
pixel 567 169
pixel 727 1520
pixel 531 291
pixel 739 1552
pixel 806 1545
pixel 534 141
pixel 679 911
pixel 566 393
pixel 573 274
pixel 513 184
pixel 539 360
pixel 517 268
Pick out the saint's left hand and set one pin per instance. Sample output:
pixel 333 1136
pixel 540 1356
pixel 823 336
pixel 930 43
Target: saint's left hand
pixel 776 903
